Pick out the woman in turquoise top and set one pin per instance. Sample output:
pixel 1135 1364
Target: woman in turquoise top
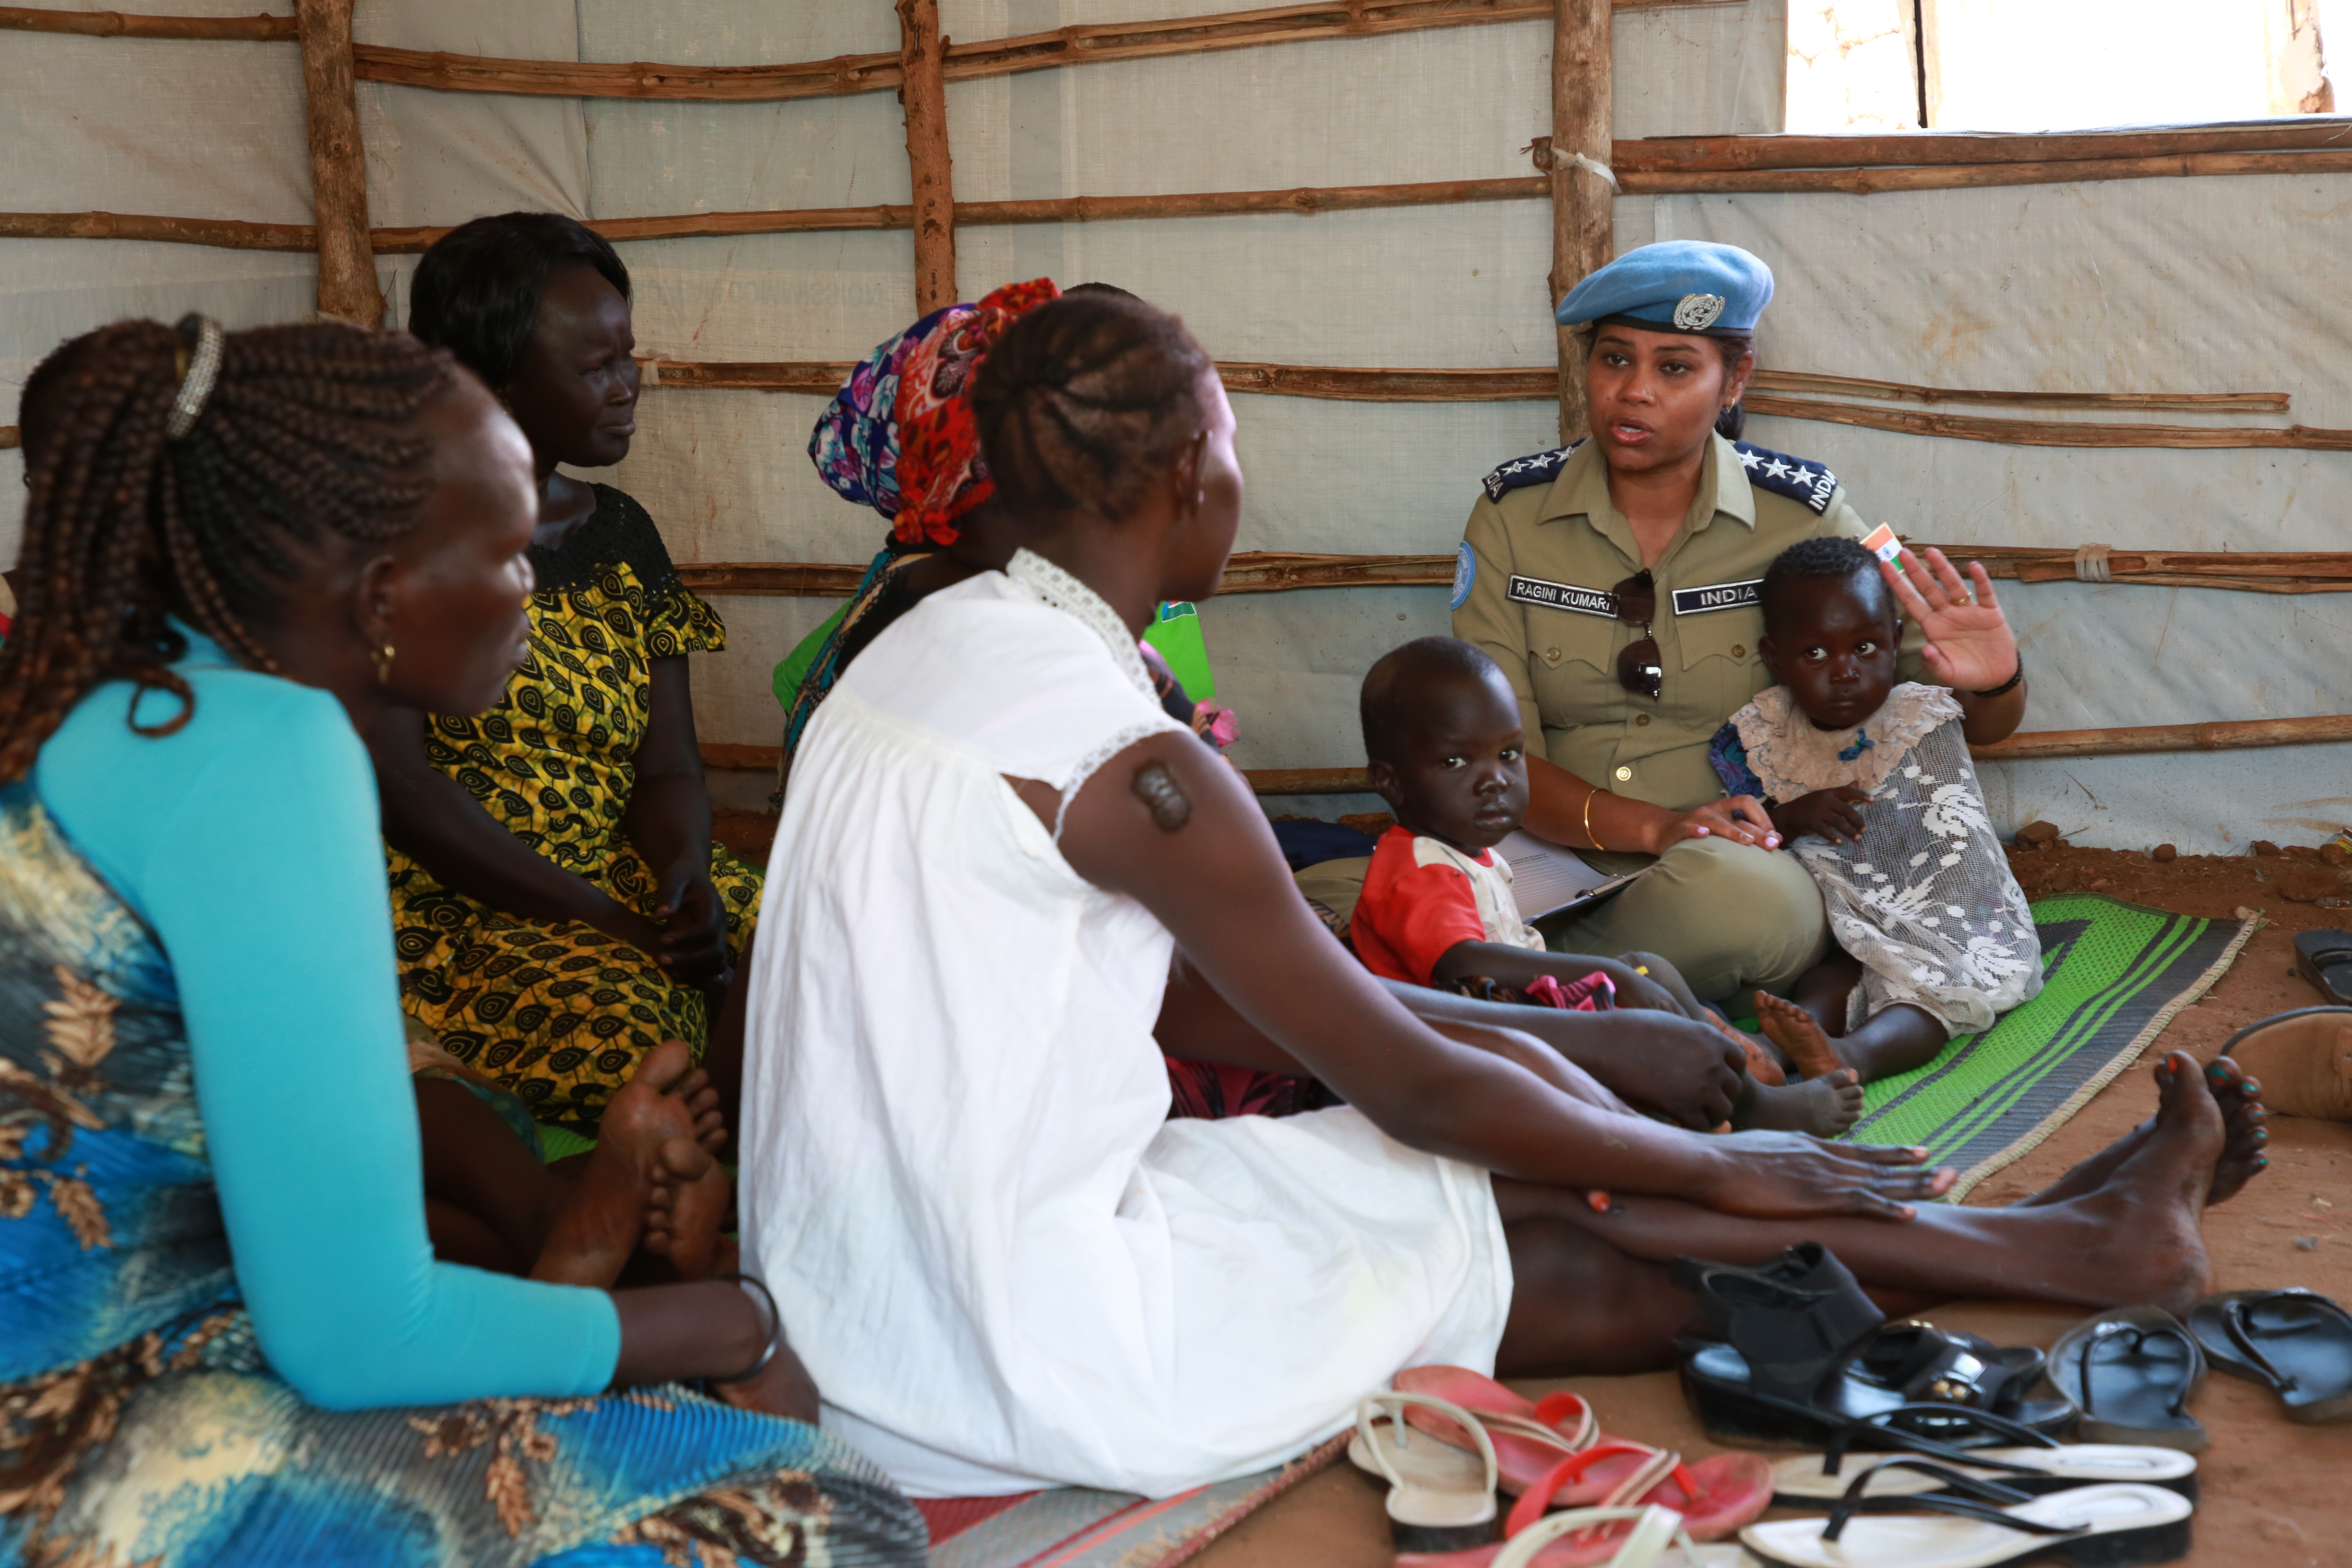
pixel 223 1335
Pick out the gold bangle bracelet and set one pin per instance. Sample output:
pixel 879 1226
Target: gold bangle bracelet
pixel 1590 795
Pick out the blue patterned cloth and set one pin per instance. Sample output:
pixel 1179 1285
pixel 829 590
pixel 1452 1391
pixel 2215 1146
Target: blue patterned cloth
pixel 855 442
pixel 142 1422
pixel 1728 754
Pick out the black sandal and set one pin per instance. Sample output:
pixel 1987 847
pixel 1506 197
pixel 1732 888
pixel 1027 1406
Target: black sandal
pixel 2106 1525
pixel 1794 1354
pixel 2133 1371
pixel 2025 1461
pixel 2296 1342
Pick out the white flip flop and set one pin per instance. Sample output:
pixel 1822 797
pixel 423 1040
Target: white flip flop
pixel 1656 1541
pixel 2112 1524
pixel 1440 1498
pixel 1807 1477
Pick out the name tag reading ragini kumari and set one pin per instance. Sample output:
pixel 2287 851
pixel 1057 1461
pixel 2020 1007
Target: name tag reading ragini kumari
pixel 1716 596
pixel 1563 596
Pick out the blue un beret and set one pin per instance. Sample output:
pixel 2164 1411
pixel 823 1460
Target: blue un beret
pixel 1679 285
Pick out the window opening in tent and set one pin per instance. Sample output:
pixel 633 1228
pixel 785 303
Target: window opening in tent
pixel 1871 65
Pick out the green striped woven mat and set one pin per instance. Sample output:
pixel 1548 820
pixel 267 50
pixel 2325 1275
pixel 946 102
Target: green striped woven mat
pixel 2115 975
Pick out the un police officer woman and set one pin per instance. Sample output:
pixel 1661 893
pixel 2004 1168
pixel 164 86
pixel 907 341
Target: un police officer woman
pixel 1615 582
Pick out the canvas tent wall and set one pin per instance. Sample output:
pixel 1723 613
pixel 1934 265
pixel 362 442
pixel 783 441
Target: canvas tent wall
pixel 2201 283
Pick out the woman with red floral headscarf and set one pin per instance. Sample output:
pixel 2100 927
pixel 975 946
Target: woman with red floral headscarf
pixel 899 437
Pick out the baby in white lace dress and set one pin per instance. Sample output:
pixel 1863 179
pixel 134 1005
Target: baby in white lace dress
pixel 1870 784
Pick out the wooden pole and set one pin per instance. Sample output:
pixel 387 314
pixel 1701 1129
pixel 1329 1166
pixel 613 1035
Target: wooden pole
pixel 347 285
pixel 1582 105
pixel 117 25
pixel 924 93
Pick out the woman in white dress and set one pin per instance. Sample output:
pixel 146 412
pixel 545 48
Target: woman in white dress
pixel 1003 1265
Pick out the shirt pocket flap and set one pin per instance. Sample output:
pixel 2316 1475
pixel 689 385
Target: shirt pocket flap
pixel 1557 637
pixel 1729 636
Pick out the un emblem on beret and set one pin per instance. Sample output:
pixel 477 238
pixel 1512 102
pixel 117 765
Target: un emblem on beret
pixel 1697 312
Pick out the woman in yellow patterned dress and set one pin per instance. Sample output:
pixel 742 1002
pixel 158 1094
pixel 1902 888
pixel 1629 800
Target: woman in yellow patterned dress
pixel 560 906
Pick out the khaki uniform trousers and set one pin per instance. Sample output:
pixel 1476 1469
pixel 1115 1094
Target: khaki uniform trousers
pixel 1733 918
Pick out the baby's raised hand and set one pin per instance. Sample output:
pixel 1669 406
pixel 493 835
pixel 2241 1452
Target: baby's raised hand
pixel 1830 813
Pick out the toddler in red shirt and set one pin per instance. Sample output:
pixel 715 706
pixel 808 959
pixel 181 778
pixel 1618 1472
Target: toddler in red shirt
pixel 1443 747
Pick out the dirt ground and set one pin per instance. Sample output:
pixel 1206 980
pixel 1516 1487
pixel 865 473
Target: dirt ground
pixel 2276 1495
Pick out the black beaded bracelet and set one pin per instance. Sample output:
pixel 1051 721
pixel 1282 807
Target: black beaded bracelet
pixel 775 1328
pixel 2008 685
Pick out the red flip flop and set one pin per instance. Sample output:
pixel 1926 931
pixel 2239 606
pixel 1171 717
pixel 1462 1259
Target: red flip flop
pixel 1530 1437
pixel 1555 1449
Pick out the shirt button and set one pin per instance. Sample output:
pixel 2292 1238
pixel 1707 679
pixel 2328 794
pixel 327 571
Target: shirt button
pixel 1739 650
pixel 1640 718
pixel 1552 656
pixel 1625 775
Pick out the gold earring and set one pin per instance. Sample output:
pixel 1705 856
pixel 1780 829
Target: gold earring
pixel 382 658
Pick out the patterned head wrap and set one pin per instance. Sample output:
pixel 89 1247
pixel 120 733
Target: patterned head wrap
pixel 941 474
pixel 899 435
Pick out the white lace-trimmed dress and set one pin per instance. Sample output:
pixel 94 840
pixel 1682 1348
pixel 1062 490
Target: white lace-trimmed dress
pixel 1925 899
pixel 1002 1264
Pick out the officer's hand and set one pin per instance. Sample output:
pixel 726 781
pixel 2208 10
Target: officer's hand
pixel 1969 644
pixel 1828 814
pixel 1742 819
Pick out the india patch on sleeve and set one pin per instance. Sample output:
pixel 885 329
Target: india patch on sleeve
pixel 1465 573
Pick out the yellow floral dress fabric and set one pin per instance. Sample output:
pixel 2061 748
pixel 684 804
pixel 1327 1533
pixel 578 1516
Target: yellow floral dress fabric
pixel 561 1014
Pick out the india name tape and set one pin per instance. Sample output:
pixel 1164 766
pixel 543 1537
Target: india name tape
pixel 1717 596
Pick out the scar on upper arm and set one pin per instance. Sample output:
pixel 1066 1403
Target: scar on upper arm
pixel 1155 785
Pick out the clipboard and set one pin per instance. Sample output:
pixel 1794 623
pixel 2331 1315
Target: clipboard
pixel 1550 880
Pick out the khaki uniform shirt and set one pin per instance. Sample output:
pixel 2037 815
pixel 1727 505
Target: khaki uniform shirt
pixel 1544 547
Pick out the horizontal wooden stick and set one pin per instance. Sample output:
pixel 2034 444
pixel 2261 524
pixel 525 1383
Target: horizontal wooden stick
pixel 1275 571
pixel 1875 180
pixel 762 759
pixel 1670 154
pixel 126 25
pixel 771 579
pixel 1085 44
pixel 8 437
pixel 229 234
pixel 1814 382
pixel 2137 739
pixel 2051 433
pixel 1304 200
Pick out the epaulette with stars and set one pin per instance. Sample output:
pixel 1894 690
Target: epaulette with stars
pixel 1536 469
pixel 1799 479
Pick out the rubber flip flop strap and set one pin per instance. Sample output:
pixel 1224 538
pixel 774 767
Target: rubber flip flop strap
pixel 1882 1424
pixel 2109 1333
pixel 1655 1529
pixel 1658 1464
pixel 2237 1321
pixel 1392 1403
pixel 1967 1497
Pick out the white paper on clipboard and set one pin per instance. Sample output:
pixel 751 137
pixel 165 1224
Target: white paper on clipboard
pixel 1548 880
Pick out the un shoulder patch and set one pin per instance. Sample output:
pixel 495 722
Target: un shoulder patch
pixel 1536 469
pixel 1799 479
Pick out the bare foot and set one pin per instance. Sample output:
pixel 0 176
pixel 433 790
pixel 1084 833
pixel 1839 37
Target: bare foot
pixel 601 1218
pixel 1760 1064
pixel 2243 1138
pixel 683 1206
pixel 701 1101
pixel 2143 1240
pixel 1801 1039
pixel 1824 1105
pixel 2243 1134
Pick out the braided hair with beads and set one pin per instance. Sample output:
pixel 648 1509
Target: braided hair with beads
pixel 1084 401
pixel 307 432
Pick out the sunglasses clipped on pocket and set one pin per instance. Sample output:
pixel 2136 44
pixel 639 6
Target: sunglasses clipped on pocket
pixel 1638 666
